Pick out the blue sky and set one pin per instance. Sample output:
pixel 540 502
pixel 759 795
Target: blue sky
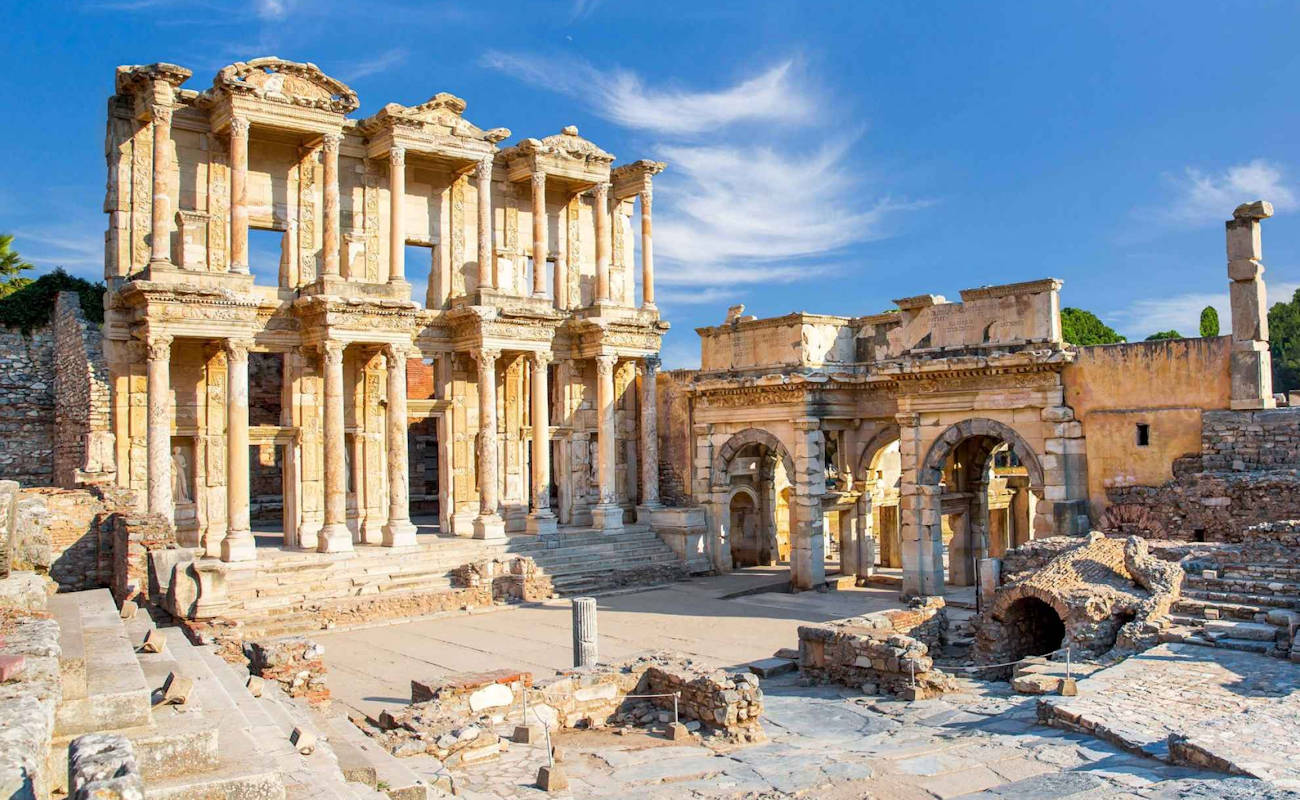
pixel 822 157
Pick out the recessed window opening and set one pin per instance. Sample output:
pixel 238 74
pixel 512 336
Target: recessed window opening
pixel 1143 434
pixel 265 254
pixel 419 266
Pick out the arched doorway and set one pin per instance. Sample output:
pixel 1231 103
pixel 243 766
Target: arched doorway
pixel 752 484
pixel 748 547
pixel 879 476
pixel 1033 628
pixel 984 483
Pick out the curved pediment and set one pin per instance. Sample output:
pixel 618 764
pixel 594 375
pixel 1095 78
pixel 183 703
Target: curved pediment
pixel 443 113
pixel 565 144
pixel 290 82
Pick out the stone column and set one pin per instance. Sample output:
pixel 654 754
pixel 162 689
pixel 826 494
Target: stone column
pixel 330 247
pixel 396 201
pixel 239 195
pixel 335 536
pixel 649 439
pixel 918 516
pixel 488 524
pixel 238 544
pixel 584 632
pixel 542 519
pixel 647 250
pixel 807 533
pixel 160 251
pixel 607 515
pixel 539 234
pixel 398 532
pixel 1250 365
pixel 561 274
pixel 483 175
pixel 601 213
pixel 159 425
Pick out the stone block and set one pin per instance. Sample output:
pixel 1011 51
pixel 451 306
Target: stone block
pixel 678 732
pixel 527 734
pixel 770 667
pixel 176 689
pixel 154 641
pixel 255 685
pixel 304 741
pixel 552 779
pixel 128 610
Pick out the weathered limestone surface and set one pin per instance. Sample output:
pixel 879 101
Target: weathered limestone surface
pixel 28 703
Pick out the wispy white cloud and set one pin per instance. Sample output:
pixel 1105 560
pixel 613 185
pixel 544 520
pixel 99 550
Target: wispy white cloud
pixel 273 9
pixel 1202 197
pixel 692 297
pixel 624 98
pixel 582 8
pixel 78 249
pixel 375 65
pixel 1182 312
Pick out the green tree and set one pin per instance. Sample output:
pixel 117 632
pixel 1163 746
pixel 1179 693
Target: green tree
pixel 1209 321
pixel 1158 335
pixel 1082 328
pixel 1284 343
pixel 11 266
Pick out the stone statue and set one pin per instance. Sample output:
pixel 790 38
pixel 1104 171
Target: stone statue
pixel 181 476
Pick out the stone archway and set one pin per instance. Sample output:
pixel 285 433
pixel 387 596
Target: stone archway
pixel 740 441
pixel 746 541
pixel 880 498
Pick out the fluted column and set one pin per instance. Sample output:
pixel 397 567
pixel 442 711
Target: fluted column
pixel 541 519
pixel 483 176
pixel 396 201
pixel 238 544
pixel 159 425
pixel 601 213
pixel 608 514
pixel 488 524
pixel 330 250
pixel 335 536
pixel 649 435
pixel 160 251
pixel 647 250
pixel 239 195
pixel 398 532
pixel 539 233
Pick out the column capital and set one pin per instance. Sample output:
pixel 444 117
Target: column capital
pixel 487 355
pixel 647 195
pixel 601 190
pixel 605 364
pixel 239 126
pixel 237 349
pixel 541 359
pixel 331 352
pixel 651 364
pixel 158 346
pixel 331 142
pixel 397 155
pixel 394 350
pixel 161 113
pixel 538 181
pixel 483 170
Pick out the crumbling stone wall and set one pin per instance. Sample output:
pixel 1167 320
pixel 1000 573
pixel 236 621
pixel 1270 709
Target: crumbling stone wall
pixel 1250 440
pixel 1203 506
pixel 27 405
pixel 82 437
pixel 81 556
pixel 134 535
pixel 675 436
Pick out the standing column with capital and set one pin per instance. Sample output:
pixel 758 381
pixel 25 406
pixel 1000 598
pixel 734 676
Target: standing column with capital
pixel 239 544
pixel 159 425
pixel 396 203
pixel 335 536
pixel 539 233
pixel 647 250
pixel 601 213
pixel 398 532
pixel 649 440
pixel 541 520
pixel 239 195
pixel 160 251
pixel 608 514
pixel 483 176
pixel 330 249
pixel 488 524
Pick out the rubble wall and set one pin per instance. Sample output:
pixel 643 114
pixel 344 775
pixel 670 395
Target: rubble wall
pixel 27 406
pixel 675 436
pixel 81 397
pixel 1251 440
pixel 81 548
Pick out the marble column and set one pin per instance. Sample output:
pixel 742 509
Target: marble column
pixel 160 236
pixel 488 524
pixel 483 176
pixel 561 276
pixel 608 514
pixel 601 213
pixel 239 195
pixel 335 536
pixel 647 250
pixel 539 234
pixel 649 439
pixel 159 424
pixel 330 247
pixel 396 204
pixel 238 544
pixel 398 532
pixel 541 520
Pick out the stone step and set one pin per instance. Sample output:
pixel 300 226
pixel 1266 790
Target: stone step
pixel 1242 598
pixel 1196 607
pixel 1255 631
pixel 585 565
pixel 361 756
pixel 1251 584
pixel 109 688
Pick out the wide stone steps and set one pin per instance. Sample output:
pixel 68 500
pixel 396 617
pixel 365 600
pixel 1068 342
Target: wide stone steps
pixel 1242 598
pixel 103 685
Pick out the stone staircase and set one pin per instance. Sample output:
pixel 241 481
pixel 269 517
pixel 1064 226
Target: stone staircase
pixel 284 592
pixel 222 742
pixel 1244 600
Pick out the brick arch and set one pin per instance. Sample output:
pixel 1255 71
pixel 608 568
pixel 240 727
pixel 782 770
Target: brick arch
pixel 1008 597
pixel 882 439
pixel 931 469
pixel 743 439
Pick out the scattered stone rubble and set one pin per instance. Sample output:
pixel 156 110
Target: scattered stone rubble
pixel 102 766
pixel 295 663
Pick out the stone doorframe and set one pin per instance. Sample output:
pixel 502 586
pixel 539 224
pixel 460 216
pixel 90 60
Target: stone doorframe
pixel 920 509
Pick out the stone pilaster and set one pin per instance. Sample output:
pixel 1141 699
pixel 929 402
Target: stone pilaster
pixel 239 195
pixel 647 249
pixel 159 425
pixel 238 544
pixel 483 177
pixel 807 533
pixel 488 524
pixel 398 532
pixel 330 229
pixel 601 214
pixel 334 536
pixel 649 439
pixel 160 228
pixel 1250 365
pixel 607 514
pixel 396 202
pixel 541 520
pixel 539 233
pixel 919 517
